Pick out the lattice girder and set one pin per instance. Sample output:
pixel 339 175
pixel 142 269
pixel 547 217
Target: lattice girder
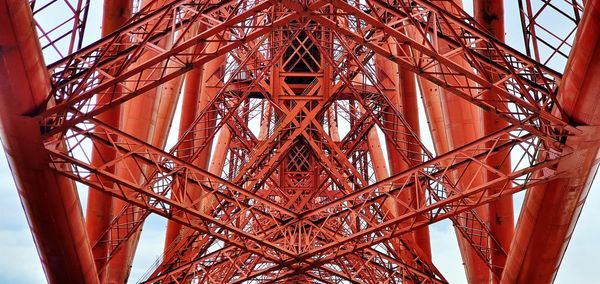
pixel 297 198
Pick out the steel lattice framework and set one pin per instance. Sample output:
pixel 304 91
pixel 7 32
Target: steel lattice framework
pixel 300 156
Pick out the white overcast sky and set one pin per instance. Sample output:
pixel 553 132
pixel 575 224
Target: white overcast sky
pixel 19 262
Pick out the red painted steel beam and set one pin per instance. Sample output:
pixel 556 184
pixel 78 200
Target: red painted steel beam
pixel 202 117
pixel 204 128
pixel 408 197
pixel 474 197
pixel 518 97
pixel 550 212
pixel 99 204
pixel 400 89
pixel 490 13
pixel 188 113
pixel 159 138
pixel 179 250
pixel 192 217
pixel 474 239
pixel 408 87
pixel 134 224
pixel 139 117
pixel 149 117
pixel 274 217
pixel 50 201
pixel 462 121
pixel 197 98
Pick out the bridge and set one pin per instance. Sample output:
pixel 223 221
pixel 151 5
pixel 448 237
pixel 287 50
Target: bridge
pixel 300 141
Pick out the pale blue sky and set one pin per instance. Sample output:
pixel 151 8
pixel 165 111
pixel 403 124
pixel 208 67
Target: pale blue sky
pixel 19 262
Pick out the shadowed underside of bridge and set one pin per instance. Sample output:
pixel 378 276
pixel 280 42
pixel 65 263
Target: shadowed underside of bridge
pixel 299 153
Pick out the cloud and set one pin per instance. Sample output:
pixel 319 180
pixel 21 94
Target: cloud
pixel 445 252
pixel 150 247
pixel 19 261
pixel 580 261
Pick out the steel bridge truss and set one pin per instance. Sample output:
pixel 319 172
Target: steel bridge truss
pixel 298 92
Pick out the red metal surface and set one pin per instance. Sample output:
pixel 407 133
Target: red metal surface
pixel 299 156
pixel 501 220
pixel 100 205
pixel 49 200
pixel 60 25
pixel 462 122
pixel 551 211
pixel 401 90
pixel 545 43
pixel 188 112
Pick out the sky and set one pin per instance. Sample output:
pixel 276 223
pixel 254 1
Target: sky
pixel 19 262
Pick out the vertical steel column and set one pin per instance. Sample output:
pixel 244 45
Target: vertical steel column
pixel 265 121
pixel 197 97
pixel 211 78
pixel 50 201
pixel 188 114
pixel 168 96
pixel 408 90
pixel 490 13
pixel 550 212
pixel 99 205
pixel 400 88
pixel 138 118
pixel 378 159
pixel 454 122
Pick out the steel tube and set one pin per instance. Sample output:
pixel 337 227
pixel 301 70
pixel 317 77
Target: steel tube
pixel 50 201
pixel 188 113
pixel 454 122
pixel 550 212
pixel 138 118
pixel 99 205
pixel 490 13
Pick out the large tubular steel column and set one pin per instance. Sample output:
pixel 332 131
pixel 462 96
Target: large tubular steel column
pixel 211 78
pixel 380 167
pixel 400 88
pixel 216 167
pixel 381 170
pixel 139 122
pixel 168 96
pixel 208 89
pixel 408 89
pixel 50 201
pixel 550 212
pixel 440 123
pixel 453 123
pixel 381 173
pixel 198 92
pixel 99 205
pixel 188 113
pixel 200 87
pixel 139 117
pixel 490 13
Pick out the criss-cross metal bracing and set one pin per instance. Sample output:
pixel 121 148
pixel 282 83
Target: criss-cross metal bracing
pixel 300 156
